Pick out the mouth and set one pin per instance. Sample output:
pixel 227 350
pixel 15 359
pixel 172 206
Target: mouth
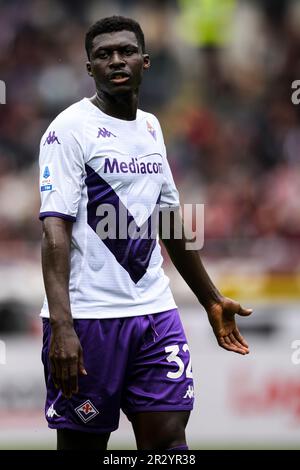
pixel 119 77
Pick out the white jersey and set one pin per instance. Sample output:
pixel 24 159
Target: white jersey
pixel 94 167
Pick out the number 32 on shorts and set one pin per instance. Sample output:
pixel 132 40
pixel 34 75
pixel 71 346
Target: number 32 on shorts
pixel 173 357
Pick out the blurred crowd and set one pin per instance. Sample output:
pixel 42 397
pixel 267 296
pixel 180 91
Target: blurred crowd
pixel 220 83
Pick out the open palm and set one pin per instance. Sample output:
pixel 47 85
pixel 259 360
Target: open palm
pixel 222 319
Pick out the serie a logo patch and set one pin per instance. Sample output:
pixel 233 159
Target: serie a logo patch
pixel 86 411
pixel 46 178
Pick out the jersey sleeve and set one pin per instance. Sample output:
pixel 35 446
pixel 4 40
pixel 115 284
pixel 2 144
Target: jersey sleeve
pixel 61 165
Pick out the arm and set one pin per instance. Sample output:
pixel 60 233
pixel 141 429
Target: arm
pixel 66 359
pixel 220 310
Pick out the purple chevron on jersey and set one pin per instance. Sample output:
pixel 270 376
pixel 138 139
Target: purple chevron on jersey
pixel 133 254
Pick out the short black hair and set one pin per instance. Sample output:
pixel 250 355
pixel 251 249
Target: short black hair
pixel 113 24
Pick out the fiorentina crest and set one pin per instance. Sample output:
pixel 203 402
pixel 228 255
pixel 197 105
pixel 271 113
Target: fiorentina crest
pixel 86 411
pixel 151 129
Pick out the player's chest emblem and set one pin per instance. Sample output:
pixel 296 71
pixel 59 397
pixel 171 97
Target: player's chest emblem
pixel 151 130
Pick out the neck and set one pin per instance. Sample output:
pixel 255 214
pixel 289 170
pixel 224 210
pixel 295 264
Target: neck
pixel 121 107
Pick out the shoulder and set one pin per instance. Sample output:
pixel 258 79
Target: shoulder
pixel 66 132
pixel 68 125
pixel 143 115
pixel 71 117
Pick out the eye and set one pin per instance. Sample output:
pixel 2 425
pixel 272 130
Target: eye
pixel 129 51
pixel 102 54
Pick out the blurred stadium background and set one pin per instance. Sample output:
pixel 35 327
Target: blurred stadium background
pixel 220 83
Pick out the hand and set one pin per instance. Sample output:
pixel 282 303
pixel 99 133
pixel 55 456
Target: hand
pixel 221 316
pixel 66 359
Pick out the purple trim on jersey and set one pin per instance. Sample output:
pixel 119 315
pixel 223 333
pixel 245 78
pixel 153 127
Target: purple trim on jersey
pixel 133 254
pixel 43 215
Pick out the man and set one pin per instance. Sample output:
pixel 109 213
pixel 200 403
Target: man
pixel 113 338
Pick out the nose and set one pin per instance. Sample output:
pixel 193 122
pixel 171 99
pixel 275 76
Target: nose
pixel 116 59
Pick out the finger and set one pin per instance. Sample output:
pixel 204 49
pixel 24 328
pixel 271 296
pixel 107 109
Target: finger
pixel 244 312
pixel 234 345
pixel 55 373
pixel 81 367
pixel 73 370
pixel 227 344
pixel 65 380
pixel 237 343
pixel 240 338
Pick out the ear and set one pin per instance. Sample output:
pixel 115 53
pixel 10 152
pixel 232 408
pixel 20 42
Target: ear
pixel 146 61
pixel 89 69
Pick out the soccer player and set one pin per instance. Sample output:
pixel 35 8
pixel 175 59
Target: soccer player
pixel 113 338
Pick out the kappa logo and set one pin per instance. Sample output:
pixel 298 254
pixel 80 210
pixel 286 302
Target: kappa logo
pixel 86 411
pixel 51 412
pixel 102 132
pixel 51 138
pixel 190 392
pixel 151 129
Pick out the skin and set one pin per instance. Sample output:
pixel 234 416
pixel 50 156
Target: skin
pixel 112 53
pixel 220 310
pixel 66 357
pixel 116 55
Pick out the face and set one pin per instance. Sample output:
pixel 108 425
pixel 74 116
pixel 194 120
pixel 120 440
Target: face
pixel 117 62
